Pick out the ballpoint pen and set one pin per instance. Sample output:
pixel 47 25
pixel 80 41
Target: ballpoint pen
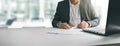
pixel 82 20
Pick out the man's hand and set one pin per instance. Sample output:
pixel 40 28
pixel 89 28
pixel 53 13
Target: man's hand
pixel 83 24
pixel 64 26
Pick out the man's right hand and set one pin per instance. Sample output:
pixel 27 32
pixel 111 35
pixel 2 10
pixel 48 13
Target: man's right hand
pixel 64 26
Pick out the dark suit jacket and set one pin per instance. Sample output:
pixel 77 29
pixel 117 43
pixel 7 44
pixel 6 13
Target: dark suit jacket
pixel 86 11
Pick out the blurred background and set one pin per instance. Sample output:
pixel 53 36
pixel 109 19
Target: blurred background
pixel 35 13
pixel 27 13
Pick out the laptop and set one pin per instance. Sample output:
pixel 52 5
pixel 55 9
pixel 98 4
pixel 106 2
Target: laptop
pixel 109 23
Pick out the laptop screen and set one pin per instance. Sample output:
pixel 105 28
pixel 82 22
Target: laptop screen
pixel 113 25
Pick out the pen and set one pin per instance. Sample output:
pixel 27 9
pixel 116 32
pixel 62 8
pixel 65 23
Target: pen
pixel 82 20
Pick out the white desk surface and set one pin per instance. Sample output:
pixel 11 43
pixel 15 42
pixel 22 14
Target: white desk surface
pixel 40 37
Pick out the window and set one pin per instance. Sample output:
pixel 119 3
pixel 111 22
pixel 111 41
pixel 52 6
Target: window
pixel 28 13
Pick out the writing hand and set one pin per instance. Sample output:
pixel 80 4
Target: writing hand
pixel 83 24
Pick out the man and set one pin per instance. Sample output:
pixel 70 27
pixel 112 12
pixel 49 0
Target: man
pixel 75 13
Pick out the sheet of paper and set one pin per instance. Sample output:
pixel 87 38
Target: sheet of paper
pixel 64 31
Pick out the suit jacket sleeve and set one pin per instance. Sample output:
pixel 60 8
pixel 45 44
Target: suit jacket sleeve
pixel 94 22
pixel 56 19
pixel 88 13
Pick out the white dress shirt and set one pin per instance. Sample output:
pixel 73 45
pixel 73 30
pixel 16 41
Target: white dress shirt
pixel 75 17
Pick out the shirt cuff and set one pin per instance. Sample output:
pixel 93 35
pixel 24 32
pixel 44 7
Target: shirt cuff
pixel 89 24
pixel 58 23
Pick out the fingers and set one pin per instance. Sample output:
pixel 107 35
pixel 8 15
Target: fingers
pixel 80 25
pixel 64 26
pixel 83 25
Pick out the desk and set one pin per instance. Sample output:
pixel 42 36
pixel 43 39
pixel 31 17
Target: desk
pixel 39 37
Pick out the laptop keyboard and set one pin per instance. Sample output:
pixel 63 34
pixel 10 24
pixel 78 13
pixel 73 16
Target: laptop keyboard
pixel 96 30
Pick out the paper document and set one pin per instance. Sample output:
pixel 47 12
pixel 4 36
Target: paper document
pixel 64 31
